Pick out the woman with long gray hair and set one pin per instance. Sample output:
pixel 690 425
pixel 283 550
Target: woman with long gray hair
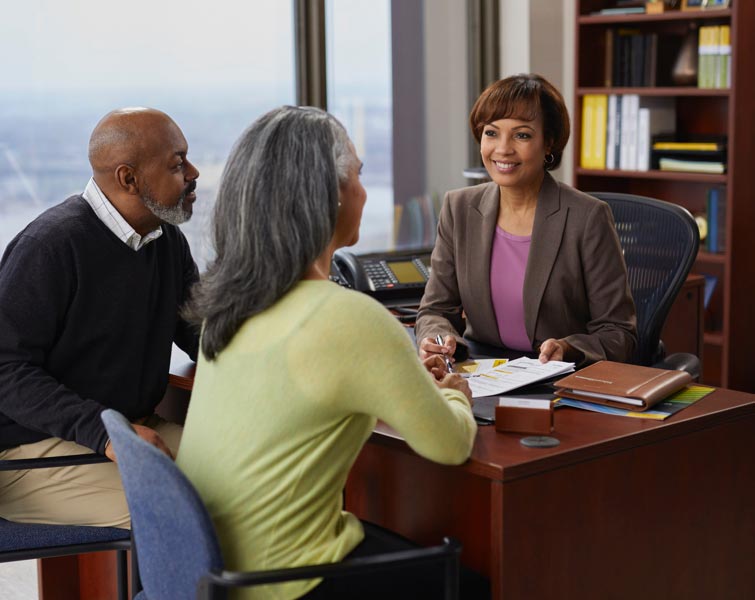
pixel 294 369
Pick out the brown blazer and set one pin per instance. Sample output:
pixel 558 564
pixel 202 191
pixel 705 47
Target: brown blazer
pixel 575 284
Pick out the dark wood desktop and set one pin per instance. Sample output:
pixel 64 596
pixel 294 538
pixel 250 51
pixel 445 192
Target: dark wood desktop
pixel 622 508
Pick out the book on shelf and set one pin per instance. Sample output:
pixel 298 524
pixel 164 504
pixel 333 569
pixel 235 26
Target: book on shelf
pixel 613 140
pixel 707 51
pixel 691 166
pixel 656 116
pixel 631 58
pixel 632 124
pixel 716 211
pixel 621 10
pixel 714 56
pixel 710 285
pixel 593 150
pixel 691 153
pixel 621 385
pixel 689 146
pixel 724 57
pixel 630 106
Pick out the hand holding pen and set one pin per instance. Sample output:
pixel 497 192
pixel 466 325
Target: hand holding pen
pixel 435 352
pixel 439 341
pixel 437 346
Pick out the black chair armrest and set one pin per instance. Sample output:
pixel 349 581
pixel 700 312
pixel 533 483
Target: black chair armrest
pixel 22 464
pixel 681 361
pixel 447 553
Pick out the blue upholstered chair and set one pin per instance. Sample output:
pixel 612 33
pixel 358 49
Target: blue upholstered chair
pixel 25 541
pixel 660 242
pixel 178 552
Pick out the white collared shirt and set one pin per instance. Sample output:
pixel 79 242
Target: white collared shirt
pixel 113 220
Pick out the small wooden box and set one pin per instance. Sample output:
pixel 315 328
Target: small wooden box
pixel 520 415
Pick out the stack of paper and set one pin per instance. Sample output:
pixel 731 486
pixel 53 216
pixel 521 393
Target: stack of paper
pixel 498 376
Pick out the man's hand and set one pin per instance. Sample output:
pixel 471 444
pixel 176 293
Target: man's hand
pixel 148 435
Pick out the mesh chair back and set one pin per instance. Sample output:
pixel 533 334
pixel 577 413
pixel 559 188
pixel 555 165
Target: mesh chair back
pixel 174 536
pixel 659 241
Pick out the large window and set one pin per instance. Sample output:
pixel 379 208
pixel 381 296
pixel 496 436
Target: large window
pixel 396 78
pixel 358 36
pixel 213 66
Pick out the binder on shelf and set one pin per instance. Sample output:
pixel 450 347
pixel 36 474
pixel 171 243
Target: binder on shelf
pixel 608 61
pixel 593 150
pixel 599 130
pixel 586 152
pixel 622 385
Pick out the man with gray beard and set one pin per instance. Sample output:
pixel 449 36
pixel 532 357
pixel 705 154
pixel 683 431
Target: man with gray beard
pixel 90 294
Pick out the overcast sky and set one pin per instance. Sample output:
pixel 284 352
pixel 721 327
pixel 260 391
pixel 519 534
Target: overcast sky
pixel 49 44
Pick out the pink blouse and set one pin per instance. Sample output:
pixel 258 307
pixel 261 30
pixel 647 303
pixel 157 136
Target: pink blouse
pixel 508 262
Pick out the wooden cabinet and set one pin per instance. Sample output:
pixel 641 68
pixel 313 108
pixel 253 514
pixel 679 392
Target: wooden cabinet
pixel 729 326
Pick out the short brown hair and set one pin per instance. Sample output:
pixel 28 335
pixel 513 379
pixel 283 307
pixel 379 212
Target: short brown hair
pixel 524 96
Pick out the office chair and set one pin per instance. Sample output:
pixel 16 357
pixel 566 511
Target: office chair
pixel 178 552
pixel 25 541
pixel 659 241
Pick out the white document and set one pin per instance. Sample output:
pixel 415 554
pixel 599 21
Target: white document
pixel 514 374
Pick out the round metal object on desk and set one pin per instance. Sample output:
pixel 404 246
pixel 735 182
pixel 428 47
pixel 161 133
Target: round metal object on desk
pixel 539 441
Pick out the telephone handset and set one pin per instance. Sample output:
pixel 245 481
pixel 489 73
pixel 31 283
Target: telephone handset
pixel 386 276
pixel 345 270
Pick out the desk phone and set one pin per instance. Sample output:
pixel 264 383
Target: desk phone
pixel 386 276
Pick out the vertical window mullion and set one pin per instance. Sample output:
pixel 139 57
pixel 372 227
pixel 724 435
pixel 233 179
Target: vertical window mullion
pixel 311 81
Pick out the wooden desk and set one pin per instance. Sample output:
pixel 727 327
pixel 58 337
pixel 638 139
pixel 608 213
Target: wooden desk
pixel 623 508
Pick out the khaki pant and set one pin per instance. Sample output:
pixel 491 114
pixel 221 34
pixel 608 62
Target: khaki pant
pixel 80 495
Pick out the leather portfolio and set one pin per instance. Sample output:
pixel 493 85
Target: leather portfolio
pixel 620 385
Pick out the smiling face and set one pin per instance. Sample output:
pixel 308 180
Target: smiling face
pixel 513 152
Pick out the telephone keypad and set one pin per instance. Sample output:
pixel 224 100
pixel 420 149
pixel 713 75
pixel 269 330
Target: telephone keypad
pixel 383 278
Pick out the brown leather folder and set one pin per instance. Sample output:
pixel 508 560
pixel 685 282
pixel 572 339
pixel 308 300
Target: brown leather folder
pixel 620 385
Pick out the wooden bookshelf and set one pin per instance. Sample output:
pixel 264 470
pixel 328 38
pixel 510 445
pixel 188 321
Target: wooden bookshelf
pixel 729 322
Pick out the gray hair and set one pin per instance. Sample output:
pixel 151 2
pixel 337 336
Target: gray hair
pixel 275 214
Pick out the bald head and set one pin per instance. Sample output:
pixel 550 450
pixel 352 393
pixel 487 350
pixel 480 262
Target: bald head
pixel 127 136
pixel 139 160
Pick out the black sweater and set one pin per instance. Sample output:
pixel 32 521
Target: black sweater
pixel 86 323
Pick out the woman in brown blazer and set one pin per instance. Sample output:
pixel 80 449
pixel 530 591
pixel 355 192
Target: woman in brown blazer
pixel 525 262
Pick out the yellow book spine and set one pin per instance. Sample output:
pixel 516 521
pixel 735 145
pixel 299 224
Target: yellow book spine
pixel 709 146
pixel 586 151
pixel 724 57
pixel 706 54
pixel 599 130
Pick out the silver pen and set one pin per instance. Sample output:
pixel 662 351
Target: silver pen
pixel 449 366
